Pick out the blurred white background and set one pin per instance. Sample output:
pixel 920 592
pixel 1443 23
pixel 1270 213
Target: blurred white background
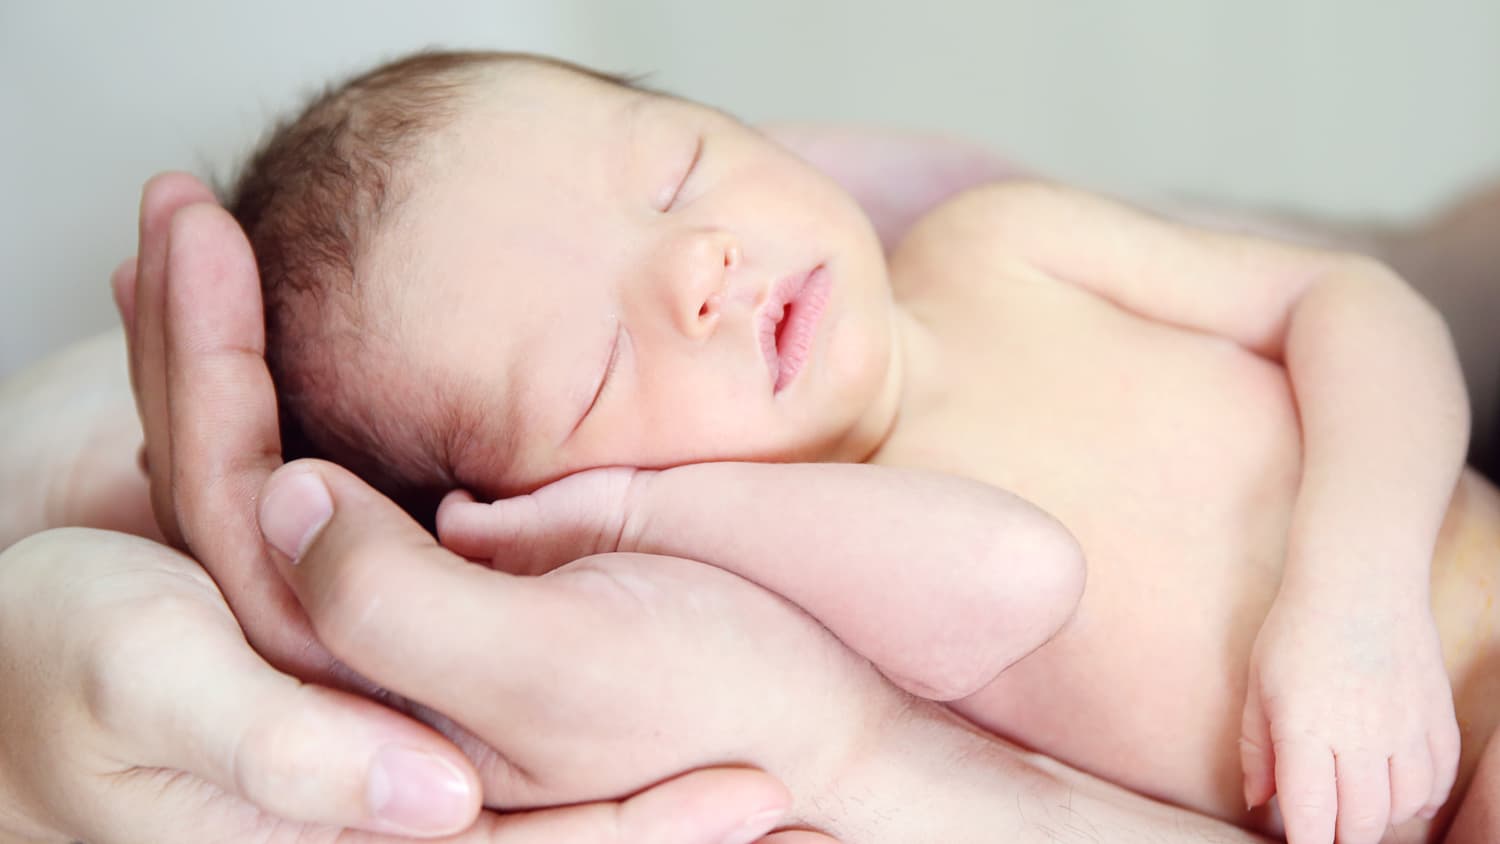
pixel 1342 107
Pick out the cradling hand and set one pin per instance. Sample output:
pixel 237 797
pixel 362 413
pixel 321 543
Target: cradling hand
pixel 1349 718
pixel 605 674
pixel 133 711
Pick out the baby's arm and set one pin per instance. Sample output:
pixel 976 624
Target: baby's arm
pixel 941 582
pixel 1349 714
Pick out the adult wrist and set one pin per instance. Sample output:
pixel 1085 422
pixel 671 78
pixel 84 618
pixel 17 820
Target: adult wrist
pixel 928 775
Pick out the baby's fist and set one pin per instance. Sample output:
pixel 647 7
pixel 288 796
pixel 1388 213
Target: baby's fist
pixel 577 516
pixel 1349 719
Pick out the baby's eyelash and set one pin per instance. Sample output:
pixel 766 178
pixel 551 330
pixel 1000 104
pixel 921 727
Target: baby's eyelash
pixel 692 165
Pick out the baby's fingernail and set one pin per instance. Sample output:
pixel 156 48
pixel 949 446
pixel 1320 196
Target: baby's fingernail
pixel 417 792
pixel 293 507
pixel 754 827
pixel 1428 813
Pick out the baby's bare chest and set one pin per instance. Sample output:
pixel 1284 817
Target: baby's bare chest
pixel 1174 458
pixel 1132 432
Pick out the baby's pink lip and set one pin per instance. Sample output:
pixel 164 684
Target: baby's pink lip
pixel 788 323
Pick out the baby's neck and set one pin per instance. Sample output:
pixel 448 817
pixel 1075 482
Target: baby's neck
pixel 908 384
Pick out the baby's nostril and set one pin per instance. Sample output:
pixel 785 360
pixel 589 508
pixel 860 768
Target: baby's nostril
pixel 703 311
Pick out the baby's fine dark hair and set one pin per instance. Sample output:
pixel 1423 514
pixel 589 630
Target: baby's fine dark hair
pixel 317 188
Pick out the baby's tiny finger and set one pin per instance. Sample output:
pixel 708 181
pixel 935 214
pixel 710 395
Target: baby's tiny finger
pixel 465 526
pixel 1306 791
pixel 1444 746
pixel 1411 782
pixel 1257 757
pixel 1364 795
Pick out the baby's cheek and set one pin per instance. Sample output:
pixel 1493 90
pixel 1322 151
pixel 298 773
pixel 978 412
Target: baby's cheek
pixel 856 357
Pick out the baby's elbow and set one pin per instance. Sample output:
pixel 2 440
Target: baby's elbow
pixel 1030 577
pixel 1041 573
pixel 1063 575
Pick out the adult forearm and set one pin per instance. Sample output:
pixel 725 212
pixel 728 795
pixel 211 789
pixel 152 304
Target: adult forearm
pixel 68 443
pixel 939 580
pixel 938 779
pixel 1385 425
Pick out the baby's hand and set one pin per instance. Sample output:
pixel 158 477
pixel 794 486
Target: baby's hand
pixel 580 515
pixel 1349 718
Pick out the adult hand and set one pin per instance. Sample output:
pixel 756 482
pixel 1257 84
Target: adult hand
pixel 192 310
pixel 134 711
pixel 191 304
pixel 609 672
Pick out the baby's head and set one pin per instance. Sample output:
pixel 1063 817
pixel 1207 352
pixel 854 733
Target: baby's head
pixel 491 270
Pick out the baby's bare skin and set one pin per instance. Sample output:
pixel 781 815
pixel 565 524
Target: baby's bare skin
pixel 1136 435
pixel 635 293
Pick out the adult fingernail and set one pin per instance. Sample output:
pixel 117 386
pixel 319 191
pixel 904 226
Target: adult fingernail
pixel 754 827
pixel 294 507
pixel 416 792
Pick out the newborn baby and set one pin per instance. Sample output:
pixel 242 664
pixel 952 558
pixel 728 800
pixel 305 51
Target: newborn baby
pixel 494 272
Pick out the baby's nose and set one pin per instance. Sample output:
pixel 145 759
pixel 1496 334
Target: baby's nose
pixel 699 276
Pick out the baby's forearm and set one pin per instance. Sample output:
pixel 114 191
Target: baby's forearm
pixel 1385 425
pixel 940 581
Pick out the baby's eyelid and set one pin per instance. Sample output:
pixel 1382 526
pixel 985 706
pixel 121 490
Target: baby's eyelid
pixel 687 174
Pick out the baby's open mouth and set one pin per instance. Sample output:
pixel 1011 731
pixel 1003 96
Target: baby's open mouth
pixel 789 322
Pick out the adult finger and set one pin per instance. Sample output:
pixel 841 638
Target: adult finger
pixel 352 548
pixel 711 806
pixel 161 198
pixel 122 285
pixel 224 435
pixel 216 711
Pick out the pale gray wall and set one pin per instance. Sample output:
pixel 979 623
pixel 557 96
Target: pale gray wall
pixel 1347 107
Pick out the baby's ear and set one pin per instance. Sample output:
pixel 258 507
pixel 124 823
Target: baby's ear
pixel 468 528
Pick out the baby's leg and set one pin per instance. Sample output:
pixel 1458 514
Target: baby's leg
pixel 1478 818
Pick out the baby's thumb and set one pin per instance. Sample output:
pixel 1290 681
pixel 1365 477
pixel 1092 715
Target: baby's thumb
pixel 527 534
pixel 1257 754
pixel 469 528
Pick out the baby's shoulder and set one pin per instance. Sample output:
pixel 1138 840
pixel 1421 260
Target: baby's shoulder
pixel 976 233
pixel 996 212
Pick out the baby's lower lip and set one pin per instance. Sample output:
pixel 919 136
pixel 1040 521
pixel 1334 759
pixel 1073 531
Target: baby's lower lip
pixel 791 344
